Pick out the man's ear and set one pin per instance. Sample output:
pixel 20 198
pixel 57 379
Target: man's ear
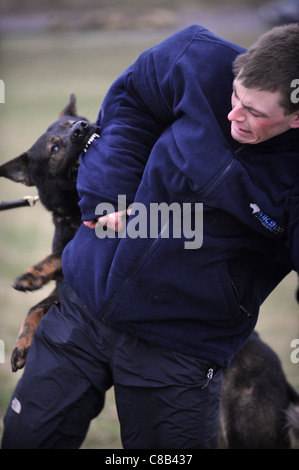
pixel 295 122
pixel 17 170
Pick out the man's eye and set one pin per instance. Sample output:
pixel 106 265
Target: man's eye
pixel 54 149
pixel 254 114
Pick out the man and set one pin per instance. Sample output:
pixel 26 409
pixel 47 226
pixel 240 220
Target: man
pixel 157 319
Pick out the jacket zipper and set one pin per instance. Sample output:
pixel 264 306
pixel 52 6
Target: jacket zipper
pixel 244 310
pixel 207 190
pixel 143 257
pixel 209 376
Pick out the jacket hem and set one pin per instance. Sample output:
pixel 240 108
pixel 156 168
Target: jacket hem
pixel 203 351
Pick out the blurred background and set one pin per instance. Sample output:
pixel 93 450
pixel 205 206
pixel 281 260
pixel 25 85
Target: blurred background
pixel 51 49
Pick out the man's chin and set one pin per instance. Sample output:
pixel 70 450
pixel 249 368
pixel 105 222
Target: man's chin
pixel 241 136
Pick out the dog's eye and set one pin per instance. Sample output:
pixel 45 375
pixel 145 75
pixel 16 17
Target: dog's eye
pixel 54 149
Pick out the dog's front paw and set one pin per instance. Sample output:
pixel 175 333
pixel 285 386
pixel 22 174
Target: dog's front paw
pixel 22 344
pixel 40 274
pixel 29 281
pixel 18 357
pixel 31 322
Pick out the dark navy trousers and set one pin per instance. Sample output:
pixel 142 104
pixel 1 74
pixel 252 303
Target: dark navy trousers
pixel 165 399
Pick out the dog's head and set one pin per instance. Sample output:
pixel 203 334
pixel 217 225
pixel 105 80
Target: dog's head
pixel 55 154
pixel 51 164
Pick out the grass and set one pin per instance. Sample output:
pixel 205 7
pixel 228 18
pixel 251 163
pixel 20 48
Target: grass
pixel 40 72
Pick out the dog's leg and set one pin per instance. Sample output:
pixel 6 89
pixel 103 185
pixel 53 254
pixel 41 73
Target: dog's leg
pixel 40 274
pixel 28 328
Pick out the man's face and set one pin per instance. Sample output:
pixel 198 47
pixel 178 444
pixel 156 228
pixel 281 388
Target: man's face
pixel 257 115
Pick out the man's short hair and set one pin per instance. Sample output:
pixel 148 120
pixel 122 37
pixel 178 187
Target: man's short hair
pixel 272 63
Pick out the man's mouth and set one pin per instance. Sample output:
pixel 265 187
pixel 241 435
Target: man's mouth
pixel 239 130
pixel 90 141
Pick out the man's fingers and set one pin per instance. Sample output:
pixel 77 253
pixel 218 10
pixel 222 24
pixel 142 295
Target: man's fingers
pixel 115 221
pixel 90 223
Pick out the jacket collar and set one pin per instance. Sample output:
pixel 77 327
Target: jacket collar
pixel 282 143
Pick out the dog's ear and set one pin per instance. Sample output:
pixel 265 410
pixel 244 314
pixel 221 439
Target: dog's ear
pixel 71 108
pixel 17 170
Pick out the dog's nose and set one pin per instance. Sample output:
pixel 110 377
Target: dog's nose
pixel 79 128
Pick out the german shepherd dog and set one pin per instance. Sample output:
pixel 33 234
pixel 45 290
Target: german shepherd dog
pixel 51 165
pixel 259 407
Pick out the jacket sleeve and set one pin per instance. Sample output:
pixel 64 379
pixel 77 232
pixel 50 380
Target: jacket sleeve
pixel 131 120
pixel 114 163
pixel 195 87
pixel 161 90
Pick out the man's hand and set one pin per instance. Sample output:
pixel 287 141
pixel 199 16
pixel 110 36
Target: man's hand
pixel 115 220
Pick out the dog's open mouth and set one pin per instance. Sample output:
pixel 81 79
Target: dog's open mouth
pixel 75 167
pixel 90 141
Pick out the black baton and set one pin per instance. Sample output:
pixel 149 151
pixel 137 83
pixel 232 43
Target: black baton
pixel 25 201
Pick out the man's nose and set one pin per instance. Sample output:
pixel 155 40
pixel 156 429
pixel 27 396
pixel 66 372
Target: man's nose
pixel 237 113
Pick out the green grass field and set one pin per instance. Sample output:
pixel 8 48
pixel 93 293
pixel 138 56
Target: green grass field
pixel 40 71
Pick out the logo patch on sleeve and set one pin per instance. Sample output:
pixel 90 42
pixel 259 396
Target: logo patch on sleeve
pixel 16 405
pixel 266 220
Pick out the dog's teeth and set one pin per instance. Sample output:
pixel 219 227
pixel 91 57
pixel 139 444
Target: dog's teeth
pixel 90 141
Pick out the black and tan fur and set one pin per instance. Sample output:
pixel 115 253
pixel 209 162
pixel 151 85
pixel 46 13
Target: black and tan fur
pixel 51 165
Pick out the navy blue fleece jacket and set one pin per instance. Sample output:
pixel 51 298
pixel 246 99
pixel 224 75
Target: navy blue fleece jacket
pixel 166 138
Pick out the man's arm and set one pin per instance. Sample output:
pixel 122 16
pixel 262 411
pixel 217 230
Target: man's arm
pixel 172 86
pixel 114 163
